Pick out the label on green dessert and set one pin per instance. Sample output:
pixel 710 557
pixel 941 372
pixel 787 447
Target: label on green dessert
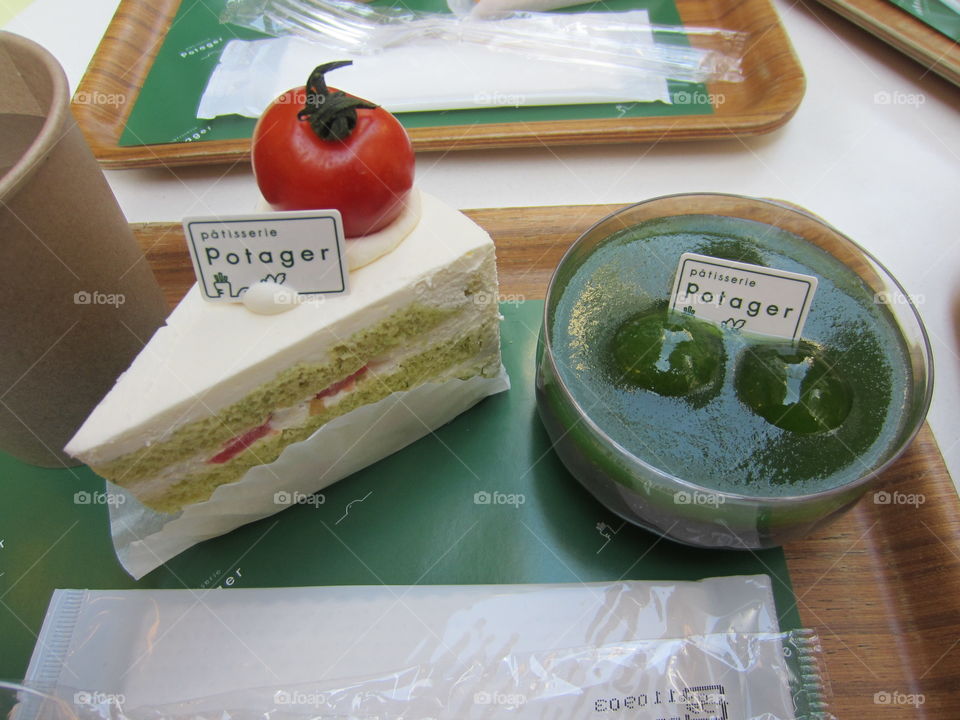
pixel 303 250
pixel 741 296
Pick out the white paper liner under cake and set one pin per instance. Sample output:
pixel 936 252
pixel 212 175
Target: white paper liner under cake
pixel 145 539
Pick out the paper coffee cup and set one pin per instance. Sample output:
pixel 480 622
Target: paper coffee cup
pixel 77 298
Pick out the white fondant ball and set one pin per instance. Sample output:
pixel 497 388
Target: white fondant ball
pixel 269 298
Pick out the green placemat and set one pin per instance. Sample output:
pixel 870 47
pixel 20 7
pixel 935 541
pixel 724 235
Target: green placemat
pixel 165 110
pixel 936 14
pixel 413 518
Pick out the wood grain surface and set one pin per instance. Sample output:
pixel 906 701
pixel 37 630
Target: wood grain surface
pixel 908 34
pixel 881 585
pixel 768 96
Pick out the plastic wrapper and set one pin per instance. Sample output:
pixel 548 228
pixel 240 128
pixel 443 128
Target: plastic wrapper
pixel 433 75
pixel 600 40
pixel 410 61
pixel 145 539
pixel 580 650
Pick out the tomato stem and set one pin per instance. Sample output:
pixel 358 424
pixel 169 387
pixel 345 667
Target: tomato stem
pixel 332 114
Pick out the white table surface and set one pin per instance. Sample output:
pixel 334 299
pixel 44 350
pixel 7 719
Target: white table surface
pixel 887 174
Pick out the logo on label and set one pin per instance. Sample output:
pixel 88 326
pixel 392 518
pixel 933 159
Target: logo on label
pixel 744 297
pixel 301 250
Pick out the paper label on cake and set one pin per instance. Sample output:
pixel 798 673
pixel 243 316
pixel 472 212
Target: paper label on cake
pixel 741 296
pixel 303 250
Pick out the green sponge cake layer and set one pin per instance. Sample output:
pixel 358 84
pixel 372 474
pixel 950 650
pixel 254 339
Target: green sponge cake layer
pixel 474 353
pixel 290 387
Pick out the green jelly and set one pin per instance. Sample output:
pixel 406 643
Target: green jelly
pixel 793 387
pixel 668 354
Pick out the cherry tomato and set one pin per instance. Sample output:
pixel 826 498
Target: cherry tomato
pixel 316 148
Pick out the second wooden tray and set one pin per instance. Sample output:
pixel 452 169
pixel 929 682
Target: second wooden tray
pixel 767 98
pixel 880 585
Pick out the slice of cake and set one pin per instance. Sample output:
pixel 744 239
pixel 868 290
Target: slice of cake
pixel 220 389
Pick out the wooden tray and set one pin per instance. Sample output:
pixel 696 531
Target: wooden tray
pixel 765 100
pixel 881 586
pixel 903 31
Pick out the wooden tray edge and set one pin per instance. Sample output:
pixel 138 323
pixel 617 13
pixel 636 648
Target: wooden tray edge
pixel 904 32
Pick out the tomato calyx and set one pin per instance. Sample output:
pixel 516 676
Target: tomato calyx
pixel 332 114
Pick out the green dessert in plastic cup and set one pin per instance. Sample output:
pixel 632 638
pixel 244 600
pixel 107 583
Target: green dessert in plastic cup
pixel 712 436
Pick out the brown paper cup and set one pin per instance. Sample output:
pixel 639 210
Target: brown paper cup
pixel 77 298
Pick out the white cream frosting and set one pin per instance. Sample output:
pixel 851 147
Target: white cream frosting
pixel 269 298
pixel 365 249
pixel 209 355
pixel 362 251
